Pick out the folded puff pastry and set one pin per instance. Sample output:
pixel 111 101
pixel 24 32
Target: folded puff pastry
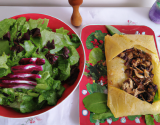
pixel 120 102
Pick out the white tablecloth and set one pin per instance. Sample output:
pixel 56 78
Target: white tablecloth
pixel 67 113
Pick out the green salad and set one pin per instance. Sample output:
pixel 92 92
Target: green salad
pixel 35 63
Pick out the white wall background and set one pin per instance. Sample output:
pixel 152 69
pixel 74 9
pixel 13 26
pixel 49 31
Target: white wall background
pixel 86 3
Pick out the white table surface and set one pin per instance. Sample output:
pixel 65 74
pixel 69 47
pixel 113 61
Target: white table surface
pixel 67 113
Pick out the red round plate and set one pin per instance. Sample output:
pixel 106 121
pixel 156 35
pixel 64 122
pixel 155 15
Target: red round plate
pixel 54 24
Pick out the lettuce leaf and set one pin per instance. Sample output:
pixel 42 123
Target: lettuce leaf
pixel 3 61
pixel 5 26
pixel 4 47
pixel 73 55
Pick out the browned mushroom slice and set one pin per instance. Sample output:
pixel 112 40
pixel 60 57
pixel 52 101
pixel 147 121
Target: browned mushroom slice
pixel 139 70
pixel 148 80
pixel 130 55
pixel 140 87
pixel 121 55
pixel 146 73
pixel 130 91
pixel 131 83
pixel 138 75
pixel 150 98
pixel 125 85
pixel 135 62
pixel 150 68
pixel 147 63
pixel 137 92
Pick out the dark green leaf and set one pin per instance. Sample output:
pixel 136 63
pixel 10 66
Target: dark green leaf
pixel 113 118
pixel 60 91
pixel 133 117
pixel 97 70
pixel 91 118
pixel 96 102
pixel 64 67
pixel 90 38
pixel 102 115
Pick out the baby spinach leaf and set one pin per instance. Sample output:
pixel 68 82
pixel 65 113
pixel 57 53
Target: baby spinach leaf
pixel 112 30
pixel 91 118
pixel 149 120
pixel 157 117
pixel 96 55
pixel 96 102
pixel 102 115
pixel 92 88
pixel 133 117
pixel 113 118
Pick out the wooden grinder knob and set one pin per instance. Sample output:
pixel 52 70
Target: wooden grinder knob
pixel 76 18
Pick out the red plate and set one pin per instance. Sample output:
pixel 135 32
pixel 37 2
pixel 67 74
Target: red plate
pixel 54 24
pixel 84 114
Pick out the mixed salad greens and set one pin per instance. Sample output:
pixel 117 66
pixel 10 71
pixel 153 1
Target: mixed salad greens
pixel 96 101
pixel 35 62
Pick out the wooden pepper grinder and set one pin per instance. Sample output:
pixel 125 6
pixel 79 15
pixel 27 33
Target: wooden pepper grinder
pixel 76 18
